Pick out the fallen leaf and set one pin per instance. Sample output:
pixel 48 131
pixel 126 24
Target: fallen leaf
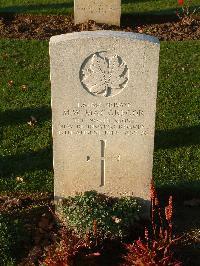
pixel 116 219
pixel 32 121
pixel 10 83
pixel 139 29
pixel 24 87
pixel 19 179
pixel 4 56
pixel 96 254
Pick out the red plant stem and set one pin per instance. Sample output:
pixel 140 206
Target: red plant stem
pixel 160 218
pixel 153 216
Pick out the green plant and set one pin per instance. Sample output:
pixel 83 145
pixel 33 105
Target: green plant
pixel 186 15
pixel 13 235
pixel 99 216
pixel 5 243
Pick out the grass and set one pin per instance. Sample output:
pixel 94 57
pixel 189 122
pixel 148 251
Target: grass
pixel 66 6
pixel 26 151
pixel 177 154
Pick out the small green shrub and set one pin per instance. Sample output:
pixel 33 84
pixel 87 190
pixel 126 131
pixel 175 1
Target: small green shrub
pixel 95 214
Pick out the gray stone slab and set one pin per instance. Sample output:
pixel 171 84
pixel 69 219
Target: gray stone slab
pixel 101 11
pixel 104 87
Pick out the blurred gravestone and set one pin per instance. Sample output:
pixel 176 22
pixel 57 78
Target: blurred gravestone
pixel 104 87
pixel 101 11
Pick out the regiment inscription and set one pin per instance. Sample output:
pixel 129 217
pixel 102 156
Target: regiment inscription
pixel 102 119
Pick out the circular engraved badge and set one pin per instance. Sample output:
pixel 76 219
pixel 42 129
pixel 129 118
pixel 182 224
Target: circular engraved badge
pixel 104 74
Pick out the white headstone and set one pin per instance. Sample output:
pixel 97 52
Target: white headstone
pixel 101 11
pixel 104 87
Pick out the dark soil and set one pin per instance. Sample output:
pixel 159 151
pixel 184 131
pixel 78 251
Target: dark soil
pixel 42 27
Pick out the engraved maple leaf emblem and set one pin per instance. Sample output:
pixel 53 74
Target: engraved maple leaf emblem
pixel 104 75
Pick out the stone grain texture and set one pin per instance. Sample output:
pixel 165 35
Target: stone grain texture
pixel 104 88
pixel 101 11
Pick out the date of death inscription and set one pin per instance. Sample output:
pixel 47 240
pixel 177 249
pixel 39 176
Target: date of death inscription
pixel 102 119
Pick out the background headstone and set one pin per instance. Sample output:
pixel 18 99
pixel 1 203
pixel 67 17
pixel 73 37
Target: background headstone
pixel 104 87
pixel 101 11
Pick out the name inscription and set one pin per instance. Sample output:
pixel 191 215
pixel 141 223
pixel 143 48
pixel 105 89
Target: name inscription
pixel 96 7
pixel 101 10
pixel 102 119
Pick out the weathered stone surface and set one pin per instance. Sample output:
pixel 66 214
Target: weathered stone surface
pixel 101 11
pixel 104 87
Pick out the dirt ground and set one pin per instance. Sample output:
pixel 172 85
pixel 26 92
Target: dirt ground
pixel 42 27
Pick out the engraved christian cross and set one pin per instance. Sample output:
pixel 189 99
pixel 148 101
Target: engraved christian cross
pixel 103 162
